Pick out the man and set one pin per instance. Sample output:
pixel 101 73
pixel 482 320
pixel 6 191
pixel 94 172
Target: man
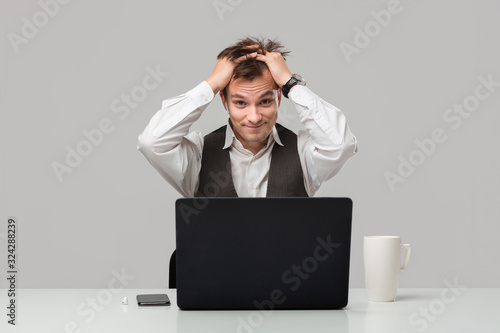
pixel 252 156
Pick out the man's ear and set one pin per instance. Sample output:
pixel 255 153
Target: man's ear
pixel 279 97
pixel 223 99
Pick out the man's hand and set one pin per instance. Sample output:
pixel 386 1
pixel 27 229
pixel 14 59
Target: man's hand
pixel 277 66
pixel 223 71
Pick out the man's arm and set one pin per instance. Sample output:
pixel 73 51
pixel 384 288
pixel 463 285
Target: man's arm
pixel 328 142
pixel 167 144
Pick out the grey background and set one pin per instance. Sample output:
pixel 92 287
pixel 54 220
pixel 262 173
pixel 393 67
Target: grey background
pixel 114 212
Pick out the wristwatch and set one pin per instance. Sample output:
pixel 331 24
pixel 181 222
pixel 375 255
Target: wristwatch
pixel 294 80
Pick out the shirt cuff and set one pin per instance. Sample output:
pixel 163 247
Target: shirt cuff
pixel 201 94
pixel 302 95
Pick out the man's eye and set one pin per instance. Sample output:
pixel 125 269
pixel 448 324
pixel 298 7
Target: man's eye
pixel 239 103
pixel 265 101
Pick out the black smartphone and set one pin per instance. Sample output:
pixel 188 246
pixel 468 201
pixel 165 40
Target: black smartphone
pixel 153 300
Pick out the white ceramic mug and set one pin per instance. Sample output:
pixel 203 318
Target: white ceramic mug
pixel 382 261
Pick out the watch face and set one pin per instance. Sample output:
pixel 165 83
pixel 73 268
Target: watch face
pixel 300 79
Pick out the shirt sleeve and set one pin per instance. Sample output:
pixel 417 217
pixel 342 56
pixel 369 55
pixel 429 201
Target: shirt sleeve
pixel 327 143
pixel 167 144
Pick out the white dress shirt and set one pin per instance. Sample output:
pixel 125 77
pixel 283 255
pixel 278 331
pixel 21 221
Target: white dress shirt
pixel 324 147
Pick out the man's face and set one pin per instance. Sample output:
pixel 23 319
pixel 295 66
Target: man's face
pixel 253 109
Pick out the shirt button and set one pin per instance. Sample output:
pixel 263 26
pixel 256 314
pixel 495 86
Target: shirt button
pixel 205 98
pixel 299 98
pixel 252 187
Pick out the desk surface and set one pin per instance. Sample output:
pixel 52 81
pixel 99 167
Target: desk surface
pixel 92 310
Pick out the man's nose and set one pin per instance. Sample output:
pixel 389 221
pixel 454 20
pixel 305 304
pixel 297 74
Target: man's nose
pixel 254 116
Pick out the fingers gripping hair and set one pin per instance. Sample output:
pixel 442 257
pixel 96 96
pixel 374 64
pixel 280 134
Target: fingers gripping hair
pixel 251 68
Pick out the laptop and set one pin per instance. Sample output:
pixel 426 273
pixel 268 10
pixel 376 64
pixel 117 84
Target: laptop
pixel 263 253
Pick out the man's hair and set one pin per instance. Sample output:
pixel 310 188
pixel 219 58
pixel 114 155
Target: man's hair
pixel 251 68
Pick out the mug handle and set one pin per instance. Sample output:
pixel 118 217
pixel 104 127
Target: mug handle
pixel 407 257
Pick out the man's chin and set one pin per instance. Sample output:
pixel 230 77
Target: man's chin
pixel 256 137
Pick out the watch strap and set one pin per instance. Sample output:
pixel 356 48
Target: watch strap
pixel 289 85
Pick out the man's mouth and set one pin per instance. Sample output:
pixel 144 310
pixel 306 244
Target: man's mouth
pixel 254 126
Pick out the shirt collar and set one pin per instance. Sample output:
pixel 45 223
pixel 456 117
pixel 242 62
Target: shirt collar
pixel 230 137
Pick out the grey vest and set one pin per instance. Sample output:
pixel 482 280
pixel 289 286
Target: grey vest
pixel 285 173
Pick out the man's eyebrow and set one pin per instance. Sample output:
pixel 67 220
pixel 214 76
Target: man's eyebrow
pixel 269 92
pixel 266 93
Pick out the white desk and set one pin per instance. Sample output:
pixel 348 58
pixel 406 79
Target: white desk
pixel 70 310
